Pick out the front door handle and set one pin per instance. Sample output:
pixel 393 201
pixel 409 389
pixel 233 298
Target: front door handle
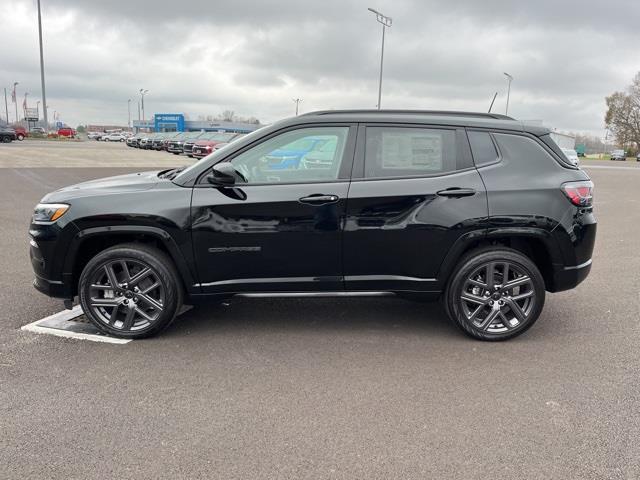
pixel 319 199
pixel 457 192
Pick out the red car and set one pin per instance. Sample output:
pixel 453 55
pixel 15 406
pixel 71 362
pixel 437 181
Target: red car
pixel 21 132
pixel 66 132
pixel 213 142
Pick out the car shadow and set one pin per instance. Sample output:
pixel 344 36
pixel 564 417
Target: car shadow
pixel 324 315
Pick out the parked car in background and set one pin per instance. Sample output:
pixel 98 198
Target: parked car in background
pixel 638 157
pixel 133 140
pixel 571 155
pixel 115 137
pixel 478 210
pixel 21 132
pixel 145 141
pixel 176 145
pixel 94 135
pixel 160 142
pixel 7 134
pixel 212 142
pixel 38 130
pixel 619 155
pixel 67 132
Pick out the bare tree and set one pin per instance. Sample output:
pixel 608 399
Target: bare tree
pixel 623 114
pixel 228 115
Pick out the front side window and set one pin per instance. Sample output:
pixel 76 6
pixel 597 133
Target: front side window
pixel 407 151
pixel 298 156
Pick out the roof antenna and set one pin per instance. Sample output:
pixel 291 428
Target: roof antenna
pixel 494 99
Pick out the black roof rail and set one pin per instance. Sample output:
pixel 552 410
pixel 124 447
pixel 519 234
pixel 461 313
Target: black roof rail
pixel 444 113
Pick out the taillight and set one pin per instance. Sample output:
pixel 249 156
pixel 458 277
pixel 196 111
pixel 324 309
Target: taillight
pixel 579 193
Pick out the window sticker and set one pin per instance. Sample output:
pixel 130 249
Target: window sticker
pixel 413 151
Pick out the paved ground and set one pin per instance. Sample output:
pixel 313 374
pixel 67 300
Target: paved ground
pixel 325 388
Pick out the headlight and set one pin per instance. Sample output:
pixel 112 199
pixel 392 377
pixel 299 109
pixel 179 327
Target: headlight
pixel 46 213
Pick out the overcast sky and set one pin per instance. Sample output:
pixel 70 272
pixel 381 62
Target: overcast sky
pixel 201 57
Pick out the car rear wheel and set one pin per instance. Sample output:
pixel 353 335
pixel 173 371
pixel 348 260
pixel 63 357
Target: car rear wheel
pixel 20 137
pixel 495 294
pixel 6 139
pixel 130 291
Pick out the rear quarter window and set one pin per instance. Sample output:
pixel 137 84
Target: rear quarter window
pixel 520 148
pixel 482 148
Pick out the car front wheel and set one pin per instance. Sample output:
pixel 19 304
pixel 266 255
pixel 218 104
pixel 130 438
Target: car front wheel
pixel 495 294
pixel 130 291
pixel 20 137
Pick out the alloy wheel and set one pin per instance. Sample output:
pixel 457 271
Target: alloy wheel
pixel 126 295
pixel 497 297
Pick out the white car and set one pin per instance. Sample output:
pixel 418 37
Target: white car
pixel 114 137
pixel 572 156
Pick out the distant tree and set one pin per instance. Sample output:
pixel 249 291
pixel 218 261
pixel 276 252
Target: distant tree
pixel 228 115
pixel 623 114
pixel 81 129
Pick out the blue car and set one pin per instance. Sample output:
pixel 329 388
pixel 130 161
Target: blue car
pixel 289 158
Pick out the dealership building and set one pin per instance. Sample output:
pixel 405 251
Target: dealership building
pixel 176 122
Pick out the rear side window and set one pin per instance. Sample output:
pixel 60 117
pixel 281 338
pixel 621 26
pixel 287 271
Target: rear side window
pixel 482 148
pixel 523 149
pixel 406 151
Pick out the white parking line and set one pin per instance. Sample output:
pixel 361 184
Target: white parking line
pixel 65 316
pixel 604 167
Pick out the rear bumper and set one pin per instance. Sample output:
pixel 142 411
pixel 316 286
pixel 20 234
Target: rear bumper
pixel 566 278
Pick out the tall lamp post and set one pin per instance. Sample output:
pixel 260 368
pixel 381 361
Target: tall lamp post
pixel 385 22
pixel 509 79
pixel 297 102
pixel 44 94
pixel 129 111
pixel 6 105
pixel 24 104
pixel 143 92
pixel 15 99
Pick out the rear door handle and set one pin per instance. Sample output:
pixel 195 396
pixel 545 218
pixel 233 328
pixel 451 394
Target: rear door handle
pixel 457 192
pixel 319 199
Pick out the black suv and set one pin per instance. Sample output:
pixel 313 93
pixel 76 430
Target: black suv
pixel 7 134
pixel 479 210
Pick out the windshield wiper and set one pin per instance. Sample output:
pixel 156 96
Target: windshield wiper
pixel 171 174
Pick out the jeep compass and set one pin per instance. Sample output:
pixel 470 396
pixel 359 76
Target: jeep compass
pixel 478 210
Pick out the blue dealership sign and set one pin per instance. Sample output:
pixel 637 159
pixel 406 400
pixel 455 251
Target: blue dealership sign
pixel 169 122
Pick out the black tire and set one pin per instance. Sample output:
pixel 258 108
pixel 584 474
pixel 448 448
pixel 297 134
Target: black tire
pixel 6 139
pixel 493 311
pixel 163 272
pixel 20 137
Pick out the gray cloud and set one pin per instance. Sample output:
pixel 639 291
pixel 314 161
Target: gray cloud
pixel 201 57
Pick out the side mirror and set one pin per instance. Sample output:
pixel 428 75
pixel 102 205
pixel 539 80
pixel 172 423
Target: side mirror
pixel 223 174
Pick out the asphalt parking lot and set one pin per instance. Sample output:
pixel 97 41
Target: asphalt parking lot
pixel 320 388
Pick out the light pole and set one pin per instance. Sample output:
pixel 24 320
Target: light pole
pixel 38 109
pixel 297 102
pixel 509 79
pixel 24 104
pixel 143 92
pixel 385 22
pixel 44 94
pixel 15 99
pixel 6 105
pixel 129 110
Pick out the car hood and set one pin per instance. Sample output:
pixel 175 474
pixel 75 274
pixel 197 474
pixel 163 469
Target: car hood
pixel 104 186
